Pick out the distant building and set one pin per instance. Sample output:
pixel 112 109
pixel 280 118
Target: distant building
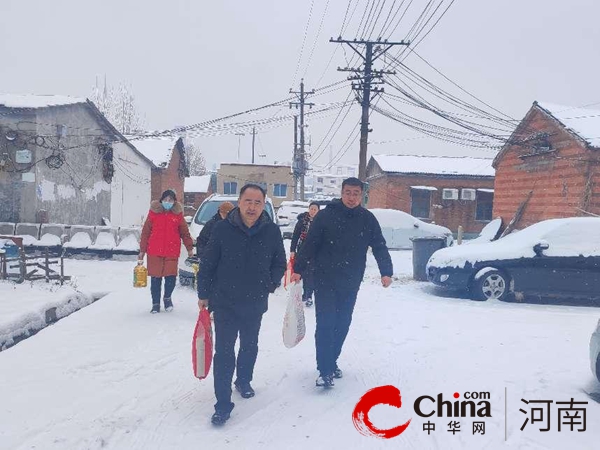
pixel 277 180
pixel 62 161
pixel 449 191
pixel 196 190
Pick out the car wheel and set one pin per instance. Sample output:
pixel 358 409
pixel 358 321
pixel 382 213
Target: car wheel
pixel 492 285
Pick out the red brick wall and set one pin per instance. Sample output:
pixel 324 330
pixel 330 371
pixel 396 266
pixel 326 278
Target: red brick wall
pixel 168 178
pixel 558 179
pixel 394 192
pixel 194 200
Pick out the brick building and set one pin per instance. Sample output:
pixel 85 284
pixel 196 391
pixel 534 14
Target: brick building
pixel 550 166
pixel 448 191
pixel 196 190
pixel 276 180
pixel 168 155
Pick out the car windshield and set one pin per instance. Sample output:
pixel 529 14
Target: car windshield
pixel 209 209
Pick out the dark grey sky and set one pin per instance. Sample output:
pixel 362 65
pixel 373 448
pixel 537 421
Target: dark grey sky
pixel 191 61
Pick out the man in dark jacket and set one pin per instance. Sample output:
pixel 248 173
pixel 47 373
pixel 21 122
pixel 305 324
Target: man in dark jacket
pixel 337 242
pixel 206 232
pixel 300 232
pixel 243 262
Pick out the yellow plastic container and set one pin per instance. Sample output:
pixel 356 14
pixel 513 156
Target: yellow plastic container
pixel 140 275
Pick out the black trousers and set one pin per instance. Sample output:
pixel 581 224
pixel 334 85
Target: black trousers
pixel 156 287
pixel 334 308
pixel 308 283
pixel 228 324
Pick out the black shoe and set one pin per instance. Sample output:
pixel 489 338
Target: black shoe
pixel 219 418
pixel 155 308
pixel 337 373
pixel 245 390
pixel 308 302
pixel 325 381
pixel 168 304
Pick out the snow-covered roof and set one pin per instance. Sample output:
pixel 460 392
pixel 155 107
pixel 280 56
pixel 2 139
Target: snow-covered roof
pixel 37 101
pixel 197 184
pixel 435 165
pixel 584 122
pixel 157 150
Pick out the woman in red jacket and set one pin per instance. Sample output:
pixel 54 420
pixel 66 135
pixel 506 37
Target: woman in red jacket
pixel 163 231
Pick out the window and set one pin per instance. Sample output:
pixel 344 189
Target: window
pixel 319 189
pixel 262 185
pixel 230 187
pixel 352 172
pixel 340 170
pixel 332 181
pixel 280 190
pixel 450 194
pixel 319 180
pixel 485 203
pixel 468 194
pixel 420 203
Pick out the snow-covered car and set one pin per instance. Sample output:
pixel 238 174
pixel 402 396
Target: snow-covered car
pixel 206 211
pixel 552 258
pixel 399 228
pixel 287 215
pixel 595 352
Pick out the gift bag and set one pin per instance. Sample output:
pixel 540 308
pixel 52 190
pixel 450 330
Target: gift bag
pixel 202 345
pixel 294 327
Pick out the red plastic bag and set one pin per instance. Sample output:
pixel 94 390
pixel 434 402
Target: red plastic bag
pixel 289 272
pixel 202 345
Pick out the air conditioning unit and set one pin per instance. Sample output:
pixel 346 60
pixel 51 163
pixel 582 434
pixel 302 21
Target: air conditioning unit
pixel 468 194
pixel 450 194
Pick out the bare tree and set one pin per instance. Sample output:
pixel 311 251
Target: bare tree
pixel 118 106
pixel 195 160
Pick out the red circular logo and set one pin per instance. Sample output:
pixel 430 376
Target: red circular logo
pixel 382 395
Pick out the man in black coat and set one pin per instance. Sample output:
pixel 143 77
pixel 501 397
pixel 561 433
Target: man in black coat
pixel 243 262
pixel 337 242
pixel 204 236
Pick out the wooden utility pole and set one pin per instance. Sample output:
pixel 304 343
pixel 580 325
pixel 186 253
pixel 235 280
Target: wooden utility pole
pixel 295 165
pixel 253 137
pixel 366 77
pixel 301 103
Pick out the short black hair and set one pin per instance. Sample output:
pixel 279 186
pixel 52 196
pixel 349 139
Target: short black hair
pixel 168 193
pixel 353 181
pixel 314 203
pixel 252 186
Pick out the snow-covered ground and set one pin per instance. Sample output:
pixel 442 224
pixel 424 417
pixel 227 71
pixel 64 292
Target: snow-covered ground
pixel 112 376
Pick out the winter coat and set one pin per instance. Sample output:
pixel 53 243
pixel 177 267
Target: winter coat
pixel 241 265
pixel 205 234
pixel 300 231
pixel 337 241
pixel 161 239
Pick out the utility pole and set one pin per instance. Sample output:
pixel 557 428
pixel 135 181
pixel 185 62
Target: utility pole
pixel 253 137
pixel 239 135
pixel 302 154
pixel 366 77
pixel 295 166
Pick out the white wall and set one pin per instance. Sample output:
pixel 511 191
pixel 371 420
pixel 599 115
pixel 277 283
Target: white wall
pixel 130 188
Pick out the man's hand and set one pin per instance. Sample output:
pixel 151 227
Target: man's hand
pixel 386 281
pixel 190 253
pixel 292 254
pixel 202 304
pixel 295 277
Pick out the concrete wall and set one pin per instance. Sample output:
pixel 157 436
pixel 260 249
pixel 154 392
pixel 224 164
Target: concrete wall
pixel 130 188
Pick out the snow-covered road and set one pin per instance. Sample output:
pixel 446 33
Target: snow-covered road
pixel 112 376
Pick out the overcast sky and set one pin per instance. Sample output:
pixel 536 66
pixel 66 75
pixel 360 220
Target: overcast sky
pixel 189 61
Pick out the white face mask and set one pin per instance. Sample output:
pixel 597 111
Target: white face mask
pixel 167 205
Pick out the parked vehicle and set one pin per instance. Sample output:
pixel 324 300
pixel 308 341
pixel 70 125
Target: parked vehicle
pixel 399 228
pixel 553 258
pixel 287 216
pixel 595 352
pixel 206 211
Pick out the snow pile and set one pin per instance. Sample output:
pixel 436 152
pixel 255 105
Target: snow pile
pixel 37 101
pixel 49 240
pixel 582 121
pixel 489 233
pixel 157 150
pixel 576 236
pixel 436 165
pixel 197 184
pixel 81 239
pixel 129 243
pixel 104 241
